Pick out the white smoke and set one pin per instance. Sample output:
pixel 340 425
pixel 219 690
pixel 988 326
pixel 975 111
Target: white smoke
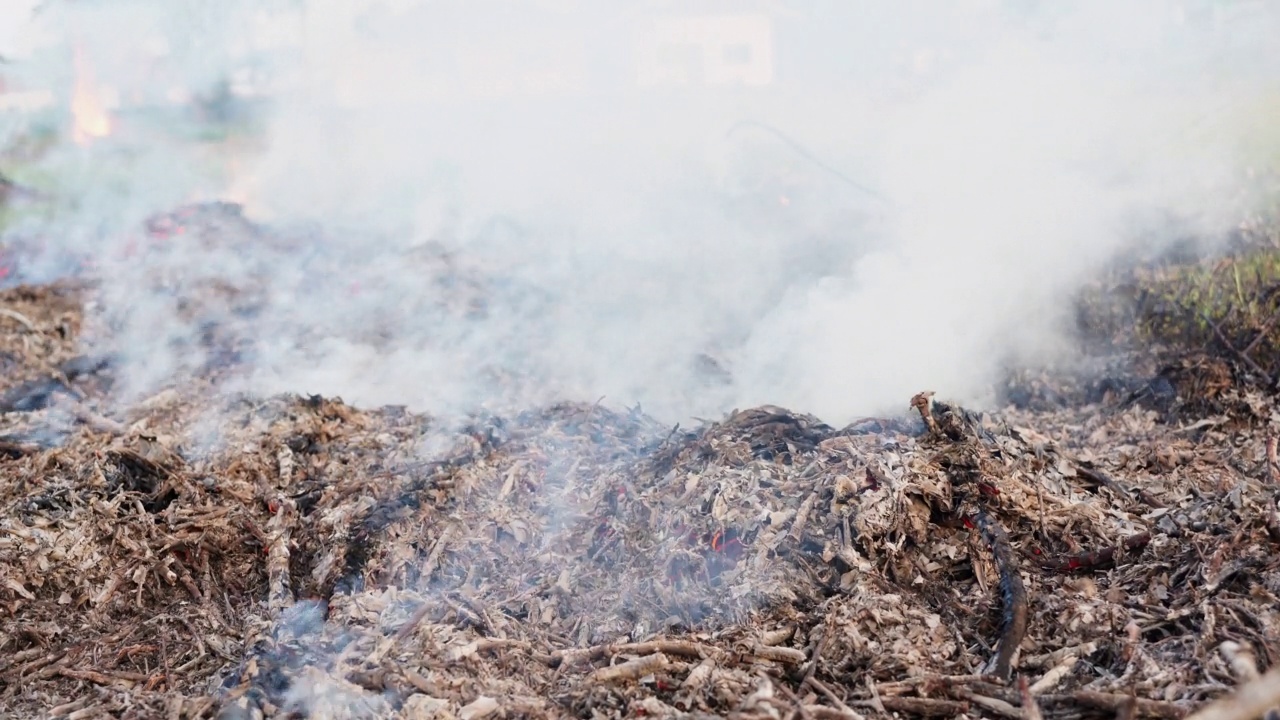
pixel 612 178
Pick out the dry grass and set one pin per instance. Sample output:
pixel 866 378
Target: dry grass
pixel 1098 560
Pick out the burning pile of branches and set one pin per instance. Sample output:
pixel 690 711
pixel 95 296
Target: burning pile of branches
pixel 1104 559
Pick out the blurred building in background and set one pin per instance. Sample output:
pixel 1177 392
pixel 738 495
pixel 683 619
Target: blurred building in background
pixel 709 50
pixel 215 55
pixel 546 48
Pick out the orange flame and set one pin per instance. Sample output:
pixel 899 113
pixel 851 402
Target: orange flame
pixel 87 110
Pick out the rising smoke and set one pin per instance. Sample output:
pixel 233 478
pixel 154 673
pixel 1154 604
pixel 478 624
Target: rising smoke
pixel 492 204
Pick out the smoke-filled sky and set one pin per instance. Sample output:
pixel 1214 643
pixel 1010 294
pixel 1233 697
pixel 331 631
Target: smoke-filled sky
pixel 693 206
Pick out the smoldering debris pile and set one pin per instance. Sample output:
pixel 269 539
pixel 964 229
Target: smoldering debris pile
pixel 1104 558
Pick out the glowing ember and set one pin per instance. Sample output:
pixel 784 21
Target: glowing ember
pixel 87 109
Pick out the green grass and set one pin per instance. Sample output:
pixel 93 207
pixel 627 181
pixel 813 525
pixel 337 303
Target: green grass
pixel 1227 306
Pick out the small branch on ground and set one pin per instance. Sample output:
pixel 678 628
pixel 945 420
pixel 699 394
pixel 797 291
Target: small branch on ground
pixel 1055 675
pixel 1030 708
pixel 630 670
pixel 1222 338
pixel 280 587
pixel 1117 703
pixel 1097 559
pixel 19 318
pixel 1273 462
pixel 924 707
pixel 1098 476
pixel 411 625
pixel 681 648
pixel 1014 619
pixel 829 694
pixel 930 683
pixel 995 705
pixel 1262 332
pixel 1272 520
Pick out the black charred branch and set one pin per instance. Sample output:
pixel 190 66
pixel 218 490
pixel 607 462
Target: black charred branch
pixel 1014 595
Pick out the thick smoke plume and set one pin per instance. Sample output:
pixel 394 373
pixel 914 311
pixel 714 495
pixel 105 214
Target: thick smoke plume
pixel 690 206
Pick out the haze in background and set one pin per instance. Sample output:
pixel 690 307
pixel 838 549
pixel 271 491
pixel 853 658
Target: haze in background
pixel 620 214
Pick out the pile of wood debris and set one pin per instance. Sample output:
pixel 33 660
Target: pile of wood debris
pixel 1110 557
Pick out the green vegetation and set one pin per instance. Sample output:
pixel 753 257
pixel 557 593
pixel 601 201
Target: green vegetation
pixel 1226 305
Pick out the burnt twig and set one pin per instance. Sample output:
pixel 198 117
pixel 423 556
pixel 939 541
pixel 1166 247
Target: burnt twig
pixel 795 700
pixel 1262 332
pixel 1095 475
pixel 1116 703
pixel 1097 559
pixel 1272 520
pixel 821 687
pixel 930 683
pixel 1273 462
pixel 924 707
pixel 1030 708
pixel 1222 338
pixel 1014 619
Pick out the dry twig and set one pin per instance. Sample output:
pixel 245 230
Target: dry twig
pixel 1115 703
pixel 1248 360
pixel 683 648
pixel 829 694
pixel 823 712
pixel 932 681
pixel 1272 520
pixel 1250 701
pixel 924 707
pixel 1061 655
pixel 996 705
pixel 1030 708
pixel 1096 559
pixel 1055 675
pixel 630 670
pixel 785 655
pixel 23 319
